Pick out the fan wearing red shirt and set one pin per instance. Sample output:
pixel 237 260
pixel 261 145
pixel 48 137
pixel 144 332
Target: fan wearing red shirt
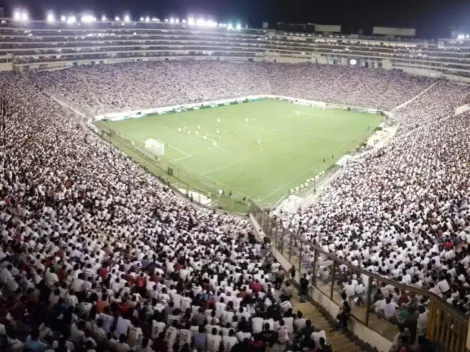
pixel 448 245
pixel 129 278
pixel 60 254
pixel 141 284
pixel 103 272
pixel 62 273
pixel 178 267
pixel 256 286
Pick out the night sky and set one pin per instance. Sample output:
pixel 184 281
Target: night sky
pixel 431 18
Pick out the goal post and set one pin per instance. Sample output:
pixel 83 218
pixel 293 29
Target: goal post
pixel 155 147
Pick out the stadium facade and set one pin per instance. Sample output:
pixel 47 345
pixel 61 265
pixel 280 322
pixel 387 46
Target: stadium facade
pixel 41 45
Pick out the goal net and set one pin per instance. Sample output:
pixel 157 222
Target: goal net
pixel 155 147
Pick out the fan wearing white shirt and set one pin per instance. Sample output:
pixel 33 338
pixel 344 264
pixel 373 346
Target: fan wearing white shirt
pixel 213 341
pixel 283 333
pixel 185 303
pixel 389 308
pixel 257 324
pixel 443 285
pixel 300 322
pixel 229 341
pixel 157 328
pixel 185 335
pixel 350 289
pixel 171 335
pixel 317 335
pixel 289 323
pixel 220 307
pixel 122 326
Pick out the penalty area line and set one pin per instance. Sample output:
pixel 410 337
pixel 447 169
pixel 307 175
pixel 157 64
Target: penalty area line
pixel 182 158
pixel 186 155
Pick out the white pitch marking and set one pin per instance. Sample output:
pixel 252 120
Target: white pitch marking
pixel 182 158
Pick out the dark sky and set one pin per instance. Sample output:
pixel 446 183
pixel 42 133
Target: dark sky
pixel 431 18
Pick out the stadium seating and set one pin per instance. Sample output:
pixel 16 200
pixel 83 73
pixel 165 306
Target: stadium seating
pixel 96 254
pixel 110 88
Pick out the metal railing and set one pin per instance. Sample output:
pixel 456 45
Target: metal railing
pixel 446 327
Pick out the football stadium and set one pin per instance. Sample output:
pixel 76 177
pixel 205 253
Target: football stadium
pixel 177 184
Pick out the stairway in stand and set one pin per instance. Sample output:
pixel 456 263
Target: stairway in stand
pixel 340 342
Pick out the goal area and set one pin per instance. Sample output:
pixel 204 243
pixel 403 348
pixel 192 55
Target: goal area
pixel 155 147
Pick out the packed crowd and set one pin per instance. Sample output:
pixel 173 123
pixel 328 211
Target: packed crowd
pixel 111 88
pixel 96 255
pixel 402 211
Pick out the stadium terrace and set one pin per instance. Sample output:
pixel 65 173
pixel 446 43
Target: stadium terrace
pixel 67 41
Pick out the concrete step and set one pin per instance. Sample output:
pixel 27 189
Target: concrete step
pixel 340 342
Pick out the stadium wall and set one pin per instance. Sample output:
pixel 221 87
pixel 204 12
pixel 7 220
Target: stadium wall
pixel 135 114
pixel 390 31
pixel 418 71
pixel 325 28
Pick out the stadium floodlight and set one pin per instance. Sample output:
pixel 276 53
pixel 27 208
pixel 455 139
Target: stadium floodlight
pixel 50 17
pixel 24 16
pixel 183 21
pixel 117 18
pixel 191 21
pixel 177 20
pixel 127 18
pixel 172 20
pixel 104 19
pixel 201 22
pixel 166 20
pixel 239 26
pixel 87 19
pixel 147 19
pixel 229 26
pixel 71 19
pixel 141 19
pixel 17 15
pixel 467 36
pixel 63 18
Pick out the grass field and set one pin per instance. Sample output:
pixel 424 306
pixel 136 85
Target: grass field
pixel 262 149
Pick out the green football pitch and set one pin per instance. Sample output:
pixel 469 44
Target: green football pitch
pixel 259 150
